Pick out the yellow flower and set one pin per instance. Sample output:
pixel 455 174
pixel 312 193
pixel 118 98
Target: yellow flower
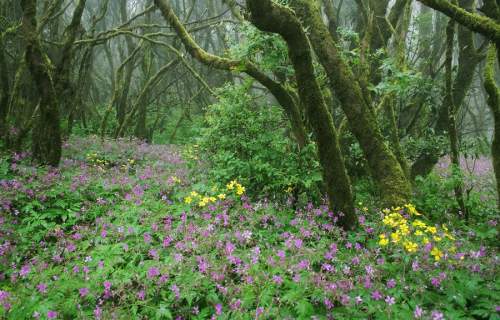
pixel 449 236
pixel 395 237
pixel 437 239
pixel 188 200
pixel 419 224
pixel 383 240
pixel 240 190
pixel 289 189
pixel 410 246
pixel 404 230
pixel 221 196
pixel 194 194
pixel 419 233
pixel 230 185
pixel 432 230
pixel 412 210
pixel 202 203
pixel 212 199
pixel 425 240
pixel 436 253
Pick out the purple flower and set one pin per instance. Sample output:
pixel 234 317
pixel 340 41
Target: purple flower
pixel 147 238
pixel 298 243
pixel 42 288
pixel 141 295
pixel 418 312
pixel 328 303
pixel 436 315
pixel 390 300
pixel 218 309
pixel 376 295
pixel 4 295
pixel 153 272
pixel 258 312
pixel 107 285
pixel 25 270
pixel 97 312
pixel 415 266
pixel 71 247
pixel 358 300
pixel 436 282
pixel 391 283
pixel 51 314
pixel 83 292
pixel 277 279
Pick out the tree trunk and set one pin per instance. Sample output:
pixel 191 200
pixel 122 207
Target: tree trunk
pixel 452 126
pixel 271 17
pixel 494 103
pixel 46 142
pixel 385 169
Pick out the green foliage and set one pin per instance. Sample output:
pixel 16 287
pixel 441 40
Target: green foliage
pixel 256 43
pixel 252 143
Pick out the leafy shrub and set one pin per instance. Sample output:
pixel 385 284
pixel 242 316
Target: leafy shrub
pixel 250 143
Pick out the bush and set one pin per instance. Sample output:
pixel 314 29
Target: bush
pixel 250 143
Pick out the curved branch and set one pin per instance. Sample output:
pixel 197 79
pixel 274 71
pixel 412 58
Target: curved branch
pixel 480 24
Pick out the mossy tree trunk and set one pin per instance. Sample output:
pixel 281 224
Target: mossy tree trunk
pixel 452 125
pixel 385 169
pixel 4 94
pixel 46 143
pixel 494 104
pixel 271 17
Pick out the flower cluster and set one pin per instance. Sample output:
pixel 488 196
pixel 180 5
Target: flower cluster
pixel 94 159
pixel 204 200
pixel 414 235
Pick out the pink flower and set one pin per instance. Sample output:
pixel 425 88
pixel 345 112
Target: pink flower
pixel 51 314
pixel 277 279
pixel 83 292
pixel 391 283
pixel 218 309
pixel 42 288
pixel 25 270
pixel 153 272
pixel 107 285
pixel 390 300
pixel 376 295
pixel 418 312
pixel 141 295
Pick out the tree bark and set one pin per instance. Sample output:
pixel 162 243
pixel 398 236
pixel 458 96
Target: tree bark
pixel 271 17
pixel 494 103
pixel 451 116
pixel 46 144
pixel 385 169
pixel 480 24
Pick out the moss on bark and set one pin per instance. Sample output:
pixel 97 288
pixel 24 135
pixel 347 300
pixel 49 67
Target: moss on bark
pixel 384 167
pixel 46 142
pixel 480 24
pixel 271 17
pixel 494 104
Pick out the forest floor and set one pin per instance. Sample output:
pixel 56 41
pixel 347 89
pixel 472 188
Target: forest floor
pixel 125 230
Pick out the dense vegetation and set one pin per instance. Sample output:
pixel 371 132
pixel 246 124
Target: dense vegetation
pixel 258 159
